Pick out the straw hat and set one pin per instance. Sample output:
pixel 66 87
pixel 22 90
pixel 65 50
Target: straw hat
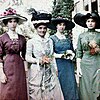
pixel 11 13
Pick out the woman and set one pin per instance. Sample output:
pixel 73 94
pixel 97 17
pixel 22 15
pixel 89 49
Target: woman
pixel 43 82
pixel 64 54
pixel 12 72
pixel 88 56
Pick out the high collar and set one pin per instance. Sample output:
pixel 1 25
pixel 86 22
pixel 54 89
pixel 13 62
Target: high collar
pixel 91 30
pixel 11 32
pixel 39 38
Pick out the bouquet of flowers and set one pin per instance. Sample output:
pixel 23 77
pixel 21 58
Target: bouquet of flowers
pixel 94 48
pixel 68 54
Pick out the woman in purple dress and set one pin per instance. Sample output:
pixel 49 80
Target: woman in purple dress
pixel 12 54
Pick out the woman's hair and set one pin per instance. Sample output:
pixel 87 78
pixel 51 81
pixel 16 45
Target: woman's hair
pixel 38 24
pixel 5 21
pixel 93 16
pixel 93 19
pixel 60 23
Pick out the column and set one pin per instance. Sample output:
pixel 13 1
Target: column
pixel 98 4
pixel 90 5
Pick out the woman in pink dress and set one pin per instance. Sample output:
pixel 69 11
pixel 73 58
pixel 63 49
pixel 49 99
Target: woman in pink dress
pixel 12 54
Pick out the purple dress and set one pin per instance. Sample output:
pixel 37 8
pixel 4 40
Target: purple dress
pixel 12 54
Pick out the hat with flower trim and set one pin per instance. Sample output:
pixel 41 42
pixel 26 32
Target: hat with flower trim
pixel 11 13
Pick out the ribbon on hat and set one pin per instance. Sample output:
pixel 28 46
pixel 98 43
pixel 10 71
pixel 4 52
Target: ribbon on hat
pixel 8 11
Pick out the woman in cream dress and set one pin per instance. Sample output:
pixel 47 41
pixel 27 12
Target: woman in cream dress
pixel 43 81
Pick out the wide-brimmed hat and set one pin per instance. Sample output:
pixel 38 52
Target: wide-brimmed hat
pixel 39 18
pixel 69 24
pixel 11 13
pixel 80 19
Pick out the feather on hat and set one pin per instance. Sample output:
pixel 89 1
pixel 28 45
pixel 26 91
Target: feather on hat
pixel 40 18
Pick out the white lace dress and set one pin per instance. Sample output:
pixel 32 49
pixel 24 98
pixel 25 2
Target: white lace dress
pixel 43 81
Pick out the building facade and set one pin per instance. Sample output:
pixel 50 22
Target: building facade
pixel 87 5
pixel 83 6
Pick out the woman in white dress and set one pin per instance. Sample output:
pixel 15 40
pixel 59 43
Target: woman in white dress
pixel 43 81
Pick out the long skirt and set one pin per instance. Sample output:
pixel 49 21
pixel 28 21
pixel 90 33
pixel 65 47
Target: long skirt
pixel 67 79
pixel 89 87
pixel 44 84
pixel 16 86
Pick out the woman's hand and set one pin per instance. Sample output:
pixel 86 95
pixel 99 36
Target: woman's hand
pixel 57 72
pixel 93 44
pixel 26 68
pixel 97 49
pixel 71 54
pixel 3 78
pixel 46 59
pixel 79 72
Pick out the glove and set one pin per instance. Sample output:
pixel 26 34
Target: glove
pixel 3 78
pixel 70 54
pixel 58 55
pixel 79 72
pixel 26 68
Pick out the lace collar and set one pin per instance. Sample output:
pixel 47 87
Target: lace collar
pixel 12 35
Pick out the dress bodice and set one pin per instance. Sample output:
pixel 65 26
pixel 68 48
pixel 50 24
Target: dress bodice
pixel 12 46
pixel 61 45
pixel 9 46
pixel 39 47
pixel 84 40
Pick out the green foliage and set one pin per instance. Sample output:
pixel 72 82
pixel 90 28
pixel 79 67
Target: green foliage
pixel 62 8
pixel 1 30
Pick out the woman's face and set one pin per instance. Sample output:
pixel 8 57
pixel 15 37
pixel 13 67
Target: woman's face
pixel 12 24
pixel 61 27
pixel 91 23
pixel 41 30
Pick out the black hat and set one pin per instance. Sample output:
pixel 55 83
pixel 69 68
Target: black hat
pixel 69 24
pixel 80 19
pixel 11 13
pixel 39 18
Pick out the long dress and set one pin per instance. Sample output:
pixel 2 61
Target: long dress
pixel 65 68
pixel 10 50
pixel 90 65
pixel 43 81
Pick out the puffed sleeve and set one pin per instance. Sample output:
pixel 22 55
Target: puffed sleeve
pixel 1 50
pixel 51 46
pixel 29 52
pixel 79 51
